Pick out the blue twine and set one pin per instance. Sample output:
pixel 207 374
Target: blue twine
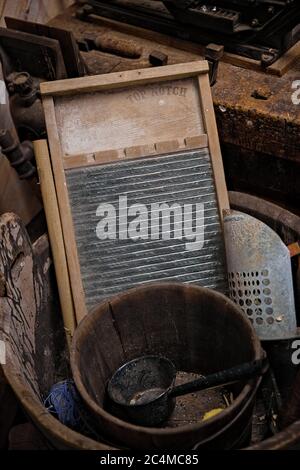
pixel 63 401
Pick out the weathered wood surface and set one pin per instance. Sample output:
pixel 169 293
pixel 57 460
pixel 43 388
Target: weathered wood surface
pixel 269 124
pixel 55 235
pixel 33 10
pixel 254 111
pixel 21 47
pixel 72 59
pixel 32 330
pixel 142 115
pixel 178 321
pixel 156 8
pixel 21 299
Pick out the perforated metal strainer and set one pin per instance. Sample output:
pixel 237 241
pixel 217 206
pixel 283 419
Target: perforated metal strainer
pixel 260 275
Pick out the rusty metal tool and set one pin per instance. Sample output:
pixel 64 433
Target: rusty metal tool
pixel 143 391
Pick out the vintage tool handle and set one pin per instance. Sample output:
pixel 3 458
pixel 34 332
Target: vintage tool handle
pixel 243 371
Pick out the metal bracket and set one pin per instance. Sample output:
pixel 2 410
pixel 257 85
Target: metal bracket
pixel 213 54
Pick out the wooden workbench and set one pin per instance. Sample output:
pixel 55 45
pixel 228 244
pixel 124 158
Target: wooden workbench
pixel 259 126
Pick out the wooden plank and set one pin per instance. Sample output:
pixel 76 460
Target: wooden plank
pixel 122 79
pixel 64 208
pixel 109 156
pixel 78 160
pixel 279 68
pixel 69 48
pixel 147 34
pixel 34 10
pixel 286 61
pixel 167 146
pixel 174 42
pixel 213 142
pixel 238 113
pixel 55 234
pixel 128 117
pixel 139 151
pixel 21 47
pixel 136 151
pixel 241 61
pixel 196 142
pixel 81 160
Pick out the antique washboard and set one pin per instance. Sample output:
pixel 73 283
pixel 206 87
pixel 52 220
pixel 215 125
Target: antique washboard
pixel 121 144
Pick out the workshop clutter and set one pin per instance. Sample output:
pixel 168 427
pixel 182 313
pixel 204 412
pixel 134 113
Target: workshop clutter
pixel 176 307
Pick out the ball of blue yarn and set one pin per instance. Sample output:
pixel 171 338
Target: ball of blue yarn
pixel 63 401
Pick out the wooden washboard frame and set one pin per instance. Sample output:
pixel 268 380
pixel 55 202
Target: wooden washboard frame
pixel 52 91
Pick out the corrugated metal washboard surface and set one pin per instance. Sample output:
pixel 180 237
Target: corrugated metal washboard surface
pixel 151 250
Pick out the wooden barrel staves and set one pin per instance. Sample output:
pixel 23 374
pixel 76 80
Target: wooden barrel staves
pixel 32 331
pixel 198 329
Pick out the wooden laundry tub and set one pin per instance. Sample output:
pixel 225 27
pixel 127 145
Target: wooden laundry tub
pixel 43 335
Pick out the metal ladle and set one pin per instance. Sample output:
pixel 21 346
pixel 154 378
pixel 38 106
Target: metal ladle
pixel 142 391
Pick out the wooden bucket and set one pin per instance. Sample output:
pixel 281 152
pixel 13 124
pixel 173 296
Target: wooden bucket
pixel 199 329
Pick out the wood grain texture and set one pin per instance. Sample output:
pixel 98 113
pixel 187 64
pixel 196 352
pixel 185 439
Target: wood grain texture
pixel 213 143
pixel 122 79
pixel 55 234
pixel 22 297
pixel 33 10
pixel 69 48
pixel 30 327
pixel 136 151
pixel 21 47
pixel 264 128
pixel 279 68
pixel 136 116
pixel 174 320
pixel 285 62
pixel 64 208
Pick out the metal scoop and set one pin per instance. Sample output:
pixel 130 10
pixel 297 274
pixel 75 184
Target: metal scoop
pixel 142 391
pixel 260 275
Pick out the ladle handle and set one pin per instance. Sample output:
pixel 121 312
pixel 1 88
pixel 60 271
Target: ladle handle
pixel 242 371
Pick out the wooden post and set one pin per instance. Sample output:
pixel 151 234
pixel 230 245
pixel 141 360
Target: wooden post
pixel 55 235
